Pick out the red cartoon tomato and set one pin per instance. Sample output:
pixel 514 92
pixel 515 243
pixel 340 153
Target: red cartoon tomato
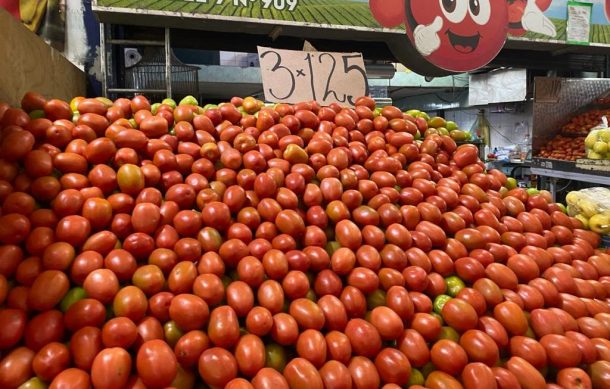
pixel 457 35
pixel 607 9
pixel 460 35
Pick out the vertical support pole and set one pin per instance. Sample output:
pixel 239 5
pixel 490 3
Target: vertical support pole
pixel 168 64
pixel 103 60
pixel 553 187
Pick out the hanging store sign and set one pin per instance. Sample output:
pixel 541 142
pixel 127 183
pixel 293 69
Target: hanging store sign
pixel 293 76
pixel 441 35
pixel 337 14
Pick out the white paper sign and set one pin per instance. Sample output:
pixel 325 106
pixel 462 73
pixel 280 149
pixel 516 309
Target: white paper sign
pixel 295 76
pixel 579 22
pixel 501 86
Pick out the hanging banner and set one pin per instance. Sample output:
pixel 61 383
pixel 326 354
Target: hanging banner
pixel 451 35
pixel 527 19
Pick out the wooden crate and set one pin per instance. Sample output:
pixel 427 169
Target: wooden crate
pixel 29 64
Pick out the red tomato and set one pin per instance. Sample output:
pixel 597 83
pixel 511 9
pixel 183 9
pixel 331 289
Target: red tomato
pixel 12 327
pixel 111 368
pixel 530 350
pixel 119 332
pixel 572 378
pixel 268 378
pixel 16 367
pixel 480 347
pixel 393 366
pixel 217 366
pixel 71 379
pixel 441 380
pixel 414 346
pixel 338 346
pixel 512 317
pixel 130 302
pixel 460 315
pixel 387 322
pixel 526 374
pixel 336 375
pixel 364 373
pixel 85 312
pixel 448 356
pixel 188 311
pixel 85 344
pixel 189 347
pixel 364 337
pixel 561 351
pixel 51 360
pixel 44 328
pixel 250 355
pixel 259 321
pixel 478 375
pixel 223 327
pixel 156 364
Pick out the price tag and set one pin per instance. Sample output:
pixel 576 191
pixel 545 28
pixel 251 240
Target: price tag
pixel 295 76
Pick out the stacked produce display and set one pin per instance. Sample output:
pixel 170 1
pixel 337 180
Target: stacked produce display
pixel 580 138
pixel 564 148
pixel 289 246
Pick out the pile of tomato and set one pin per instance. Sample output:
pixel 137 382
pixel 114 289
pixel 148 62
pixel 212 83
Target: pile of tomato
pixel 580 125
pixel 290 246
pixel 564 147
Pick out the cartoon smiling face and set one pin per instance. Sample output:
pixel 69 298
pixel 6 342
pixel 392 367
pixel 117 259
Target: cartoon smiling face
pixel 457 35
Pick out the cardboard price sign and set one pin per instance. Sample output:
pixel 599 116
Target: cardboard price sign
pixel 294 76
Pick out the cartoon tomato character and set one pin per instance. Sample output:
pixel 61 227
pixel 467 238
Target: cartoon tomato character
pixel 460 35
pixel 457 35
pixel 607 9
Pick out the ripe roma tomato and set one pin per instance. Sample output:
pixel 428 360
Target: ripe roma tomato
pixel 156 364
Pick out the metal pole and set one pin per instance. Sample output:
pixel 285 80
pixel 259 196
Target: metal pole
pixel 168 64
pixel 103 60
